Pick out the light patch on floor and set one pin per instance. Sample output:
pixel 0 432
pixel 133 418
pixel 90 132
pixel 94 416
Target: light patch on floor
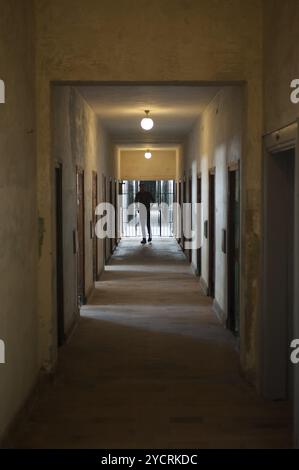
pixel 151 367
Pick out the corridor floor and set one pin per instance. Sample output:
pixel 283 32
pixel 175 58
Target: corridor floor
pixel 149 366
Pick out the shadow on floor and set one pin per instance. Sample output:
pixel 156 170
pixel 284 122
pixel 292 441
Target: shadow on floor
pixel 149 366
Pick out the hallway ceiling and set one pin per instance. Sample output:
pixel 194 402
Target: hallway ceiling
pixel 174 110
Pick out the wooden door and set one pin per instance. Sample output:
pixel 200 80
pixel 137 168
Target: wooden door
pixel 233 245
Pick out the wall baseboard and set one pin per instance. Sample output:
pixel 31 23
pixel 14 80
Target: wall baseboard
pixel 89 293
pixel 100 273
pixel 219 312
pixel 194 269
pixel 204 286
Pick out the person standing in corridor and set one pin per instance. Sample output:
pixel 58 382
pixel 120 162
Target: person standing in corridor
pixel 146 199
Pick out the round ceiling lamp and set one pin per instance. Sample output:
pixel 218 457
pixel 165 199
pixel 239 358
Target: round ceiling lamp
pixel 148 154
pixel 147 123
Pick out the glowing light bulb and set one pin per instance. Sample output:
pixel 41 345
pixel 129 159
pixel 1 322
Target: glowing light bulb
pixel 148 154
pixel 147 123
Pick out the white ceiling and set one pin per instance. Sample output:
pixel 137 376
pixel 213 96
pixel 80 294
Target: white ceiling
pixel 174 110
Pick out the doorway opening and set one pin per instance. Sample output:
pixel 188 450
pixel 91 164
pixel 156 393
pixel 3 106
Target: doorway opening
pixel 59 256
pixel 233 250
pixel 161 223
pixel 278 308
pixel 212 233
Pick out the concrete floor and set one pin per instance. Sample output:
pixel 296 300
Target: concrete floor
pixel 150 367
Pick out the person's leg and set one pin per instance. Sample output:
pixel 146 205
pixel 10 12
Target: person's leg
pixel 143 219
pixel 149 229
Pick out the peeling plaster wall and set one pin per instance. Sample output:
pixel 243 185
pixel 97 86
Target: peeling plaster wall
pixel 18 215
pixel 78 140
pixel 191 40
pixel 216 141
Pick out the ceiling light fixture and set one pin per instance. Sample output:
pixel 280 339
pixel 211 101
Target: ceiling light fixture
pixel 148 154
pixel 147 123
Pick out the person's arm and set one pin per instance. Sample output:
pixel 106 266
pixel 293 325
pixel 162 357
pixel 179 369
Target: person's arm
pixel 137 198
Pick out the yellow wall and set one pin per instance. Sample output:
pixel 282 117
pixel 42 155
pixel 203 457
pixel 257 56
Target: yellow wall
pixel 18 212
pixel 281 62
pixel 134 166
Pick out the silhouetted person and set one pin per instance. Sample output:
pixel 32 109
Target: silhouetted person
pixel 145 198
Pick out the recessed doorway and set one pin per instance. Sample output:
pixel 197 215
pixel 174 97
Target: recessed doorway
pixel 278 292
